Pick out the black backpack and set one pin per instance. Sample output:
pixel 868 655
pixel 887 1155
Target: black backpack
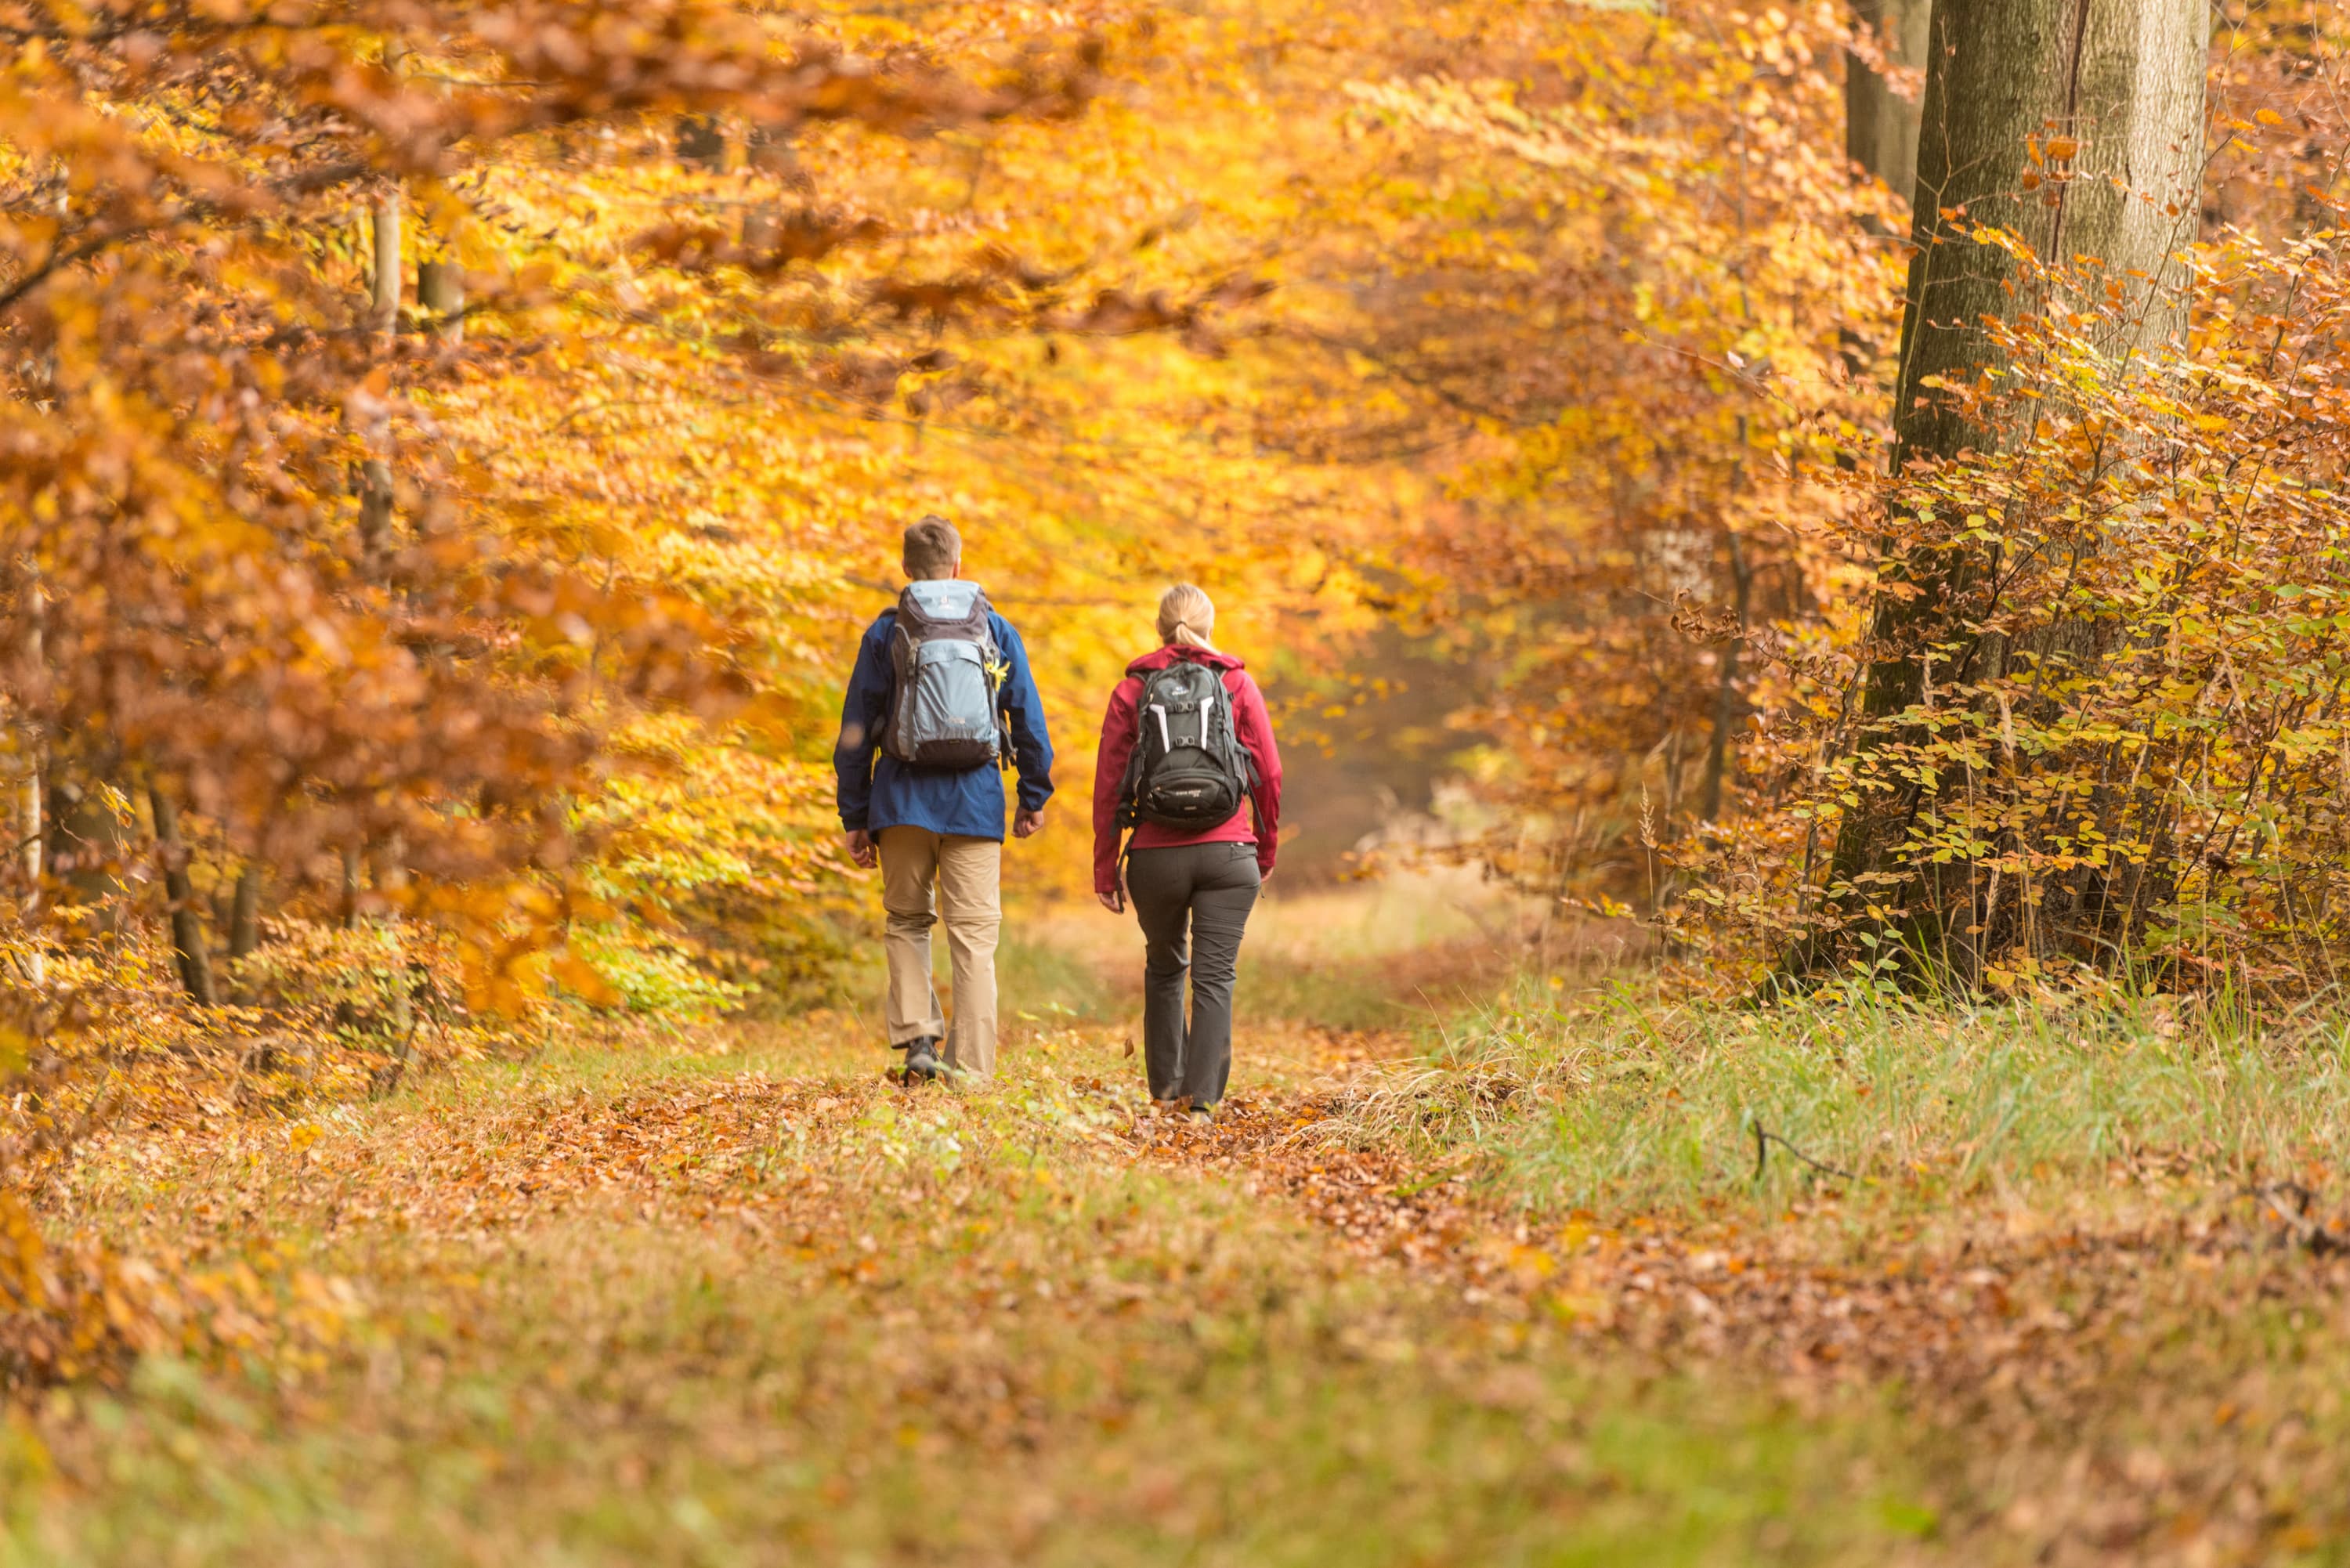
pixel 1188 769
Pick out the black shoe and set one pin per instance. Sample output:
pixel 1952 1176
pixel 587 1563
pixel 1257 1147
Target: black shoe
pixel 922 1059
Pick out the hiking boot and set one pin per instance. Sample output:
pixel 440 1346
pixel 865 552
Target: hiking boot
pixel 922 1060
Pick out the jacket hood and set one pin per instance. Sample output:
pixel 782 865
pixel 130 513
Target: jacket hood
pixel 1160 658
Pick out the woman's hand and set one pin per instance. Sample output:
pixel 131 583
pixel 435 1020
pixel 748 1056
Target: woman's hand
pixel 1113 900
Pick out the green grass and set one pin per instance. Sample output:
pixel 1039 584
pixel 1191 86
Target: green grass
pixel 1039 983
pixel 1636 1103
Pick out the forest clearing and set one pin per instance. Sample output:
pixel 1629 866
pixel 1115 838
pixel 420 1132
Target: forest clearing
pixel 1229 782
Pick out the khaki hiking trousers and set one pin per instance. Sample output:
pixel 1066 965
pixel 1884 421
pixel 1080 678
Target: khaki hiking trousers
pixel 964 872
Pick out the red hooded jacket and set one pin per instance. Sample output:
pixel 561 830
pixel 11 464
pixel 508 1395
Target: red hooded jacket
pixel 1119 727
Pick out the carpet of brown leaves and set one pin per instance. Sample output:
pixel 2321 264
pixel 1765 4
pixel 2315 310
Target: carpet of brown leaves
pixel 2025 1330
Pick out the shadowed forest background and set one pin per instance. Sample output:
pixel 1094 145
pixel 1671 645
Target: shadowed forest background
pixel 1798 559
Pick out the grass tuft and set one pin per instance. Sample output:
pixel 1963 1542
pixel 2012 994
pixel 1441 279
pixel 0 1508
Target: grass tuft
pixel 1633 1101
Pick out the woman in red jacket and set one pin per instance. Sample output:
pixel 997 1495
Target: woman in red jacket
pixel 1191 872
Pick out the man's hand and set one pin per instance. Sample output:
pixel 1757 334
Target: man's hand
pixel 860 849
pixel 1028 824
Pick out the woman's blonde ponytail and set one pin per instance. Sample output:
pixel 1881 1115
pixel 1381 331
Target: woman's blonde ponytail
pixel 1186 617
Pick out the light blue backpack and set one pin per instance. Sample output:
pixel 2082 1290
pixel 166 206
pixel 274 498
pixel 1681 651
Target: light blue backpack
pixel 945 712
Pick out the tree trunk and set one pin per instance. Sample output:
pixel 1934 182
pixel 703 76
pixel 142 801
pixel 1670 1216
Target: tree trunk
pixel 2110 92
pixel 244 912
pixel 29 825
pixel 1725 696
pixel 187 922
pixel 384 232
pixel 391 869
pixel 86 839
pixel 1880 126
pixel 700 142
pixel 441 289
pixel 375 472
pixel 2123 81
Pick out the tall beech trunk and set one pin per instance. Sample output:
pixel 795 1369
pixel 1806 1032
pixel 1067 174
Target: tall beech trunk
pixel 86 841
pixel 375 472
pixel 1726 706
pixel 441 289
pixel 31 830
pixel 700 142
pixel 244 912
pixel 187 921
pixel 244 920
pixel 2122 82
pixel 2123 79
pixel 390 866
pixel 1880 126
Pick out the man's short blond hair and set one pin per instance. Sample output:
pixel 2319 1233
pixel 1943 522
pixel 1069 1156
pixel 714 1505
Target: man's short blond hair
pixel 933 548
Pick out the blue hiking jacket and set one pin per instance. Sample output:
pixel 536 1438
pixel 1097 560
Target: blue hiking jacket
pixel 878 792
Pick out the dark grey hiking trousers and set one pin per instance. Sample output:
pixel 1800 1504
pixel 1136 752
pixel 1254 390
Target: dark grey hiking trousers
pixel 1194 902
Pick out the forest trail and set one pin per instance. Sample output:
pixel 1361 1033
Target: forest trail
pixel 736 1298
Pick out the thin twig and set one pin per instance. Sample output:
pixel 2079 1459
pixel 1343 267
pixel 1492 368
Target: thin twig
pixel 1765 1139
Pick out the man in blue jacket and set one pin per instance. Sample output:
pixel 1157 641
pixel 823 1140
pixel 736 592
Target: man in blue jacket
pixel 939 827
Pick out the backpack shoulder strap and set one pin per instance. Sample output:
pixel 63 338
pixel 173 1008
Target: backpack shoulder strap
pixel 897 649
pixel 1130 785
pixel 1237 756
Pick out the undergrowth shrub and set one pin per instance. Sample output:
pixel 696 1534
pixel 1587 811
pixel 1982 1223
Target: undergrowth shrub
pixel 2128 740
pixel 108 1045
pixel 83 1309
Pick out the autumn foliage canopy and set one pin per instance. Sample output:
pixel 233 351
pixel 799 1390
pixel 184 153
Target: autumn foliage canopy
pixel 447 452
